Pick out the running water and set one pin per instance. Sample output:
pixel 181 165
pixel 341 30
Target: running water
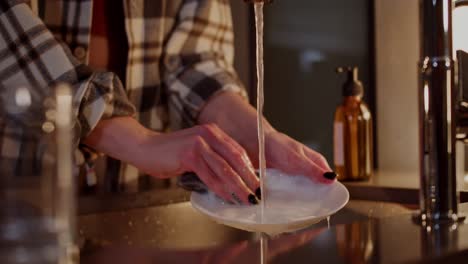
pixel 261 133
pixel 263 249
pixel 260 100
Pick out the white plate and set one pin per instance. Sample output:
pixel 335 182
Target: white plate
pixel 293 203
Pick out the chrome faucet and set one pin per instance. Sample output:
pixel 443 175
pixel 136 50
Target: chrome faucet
pixel 440 112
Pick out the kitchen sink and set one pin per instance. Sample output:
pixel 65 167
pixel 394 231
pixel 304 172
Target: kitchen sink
pixel 179 226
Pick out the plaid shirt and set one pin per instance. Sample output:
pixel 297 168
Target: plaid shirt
pixel 180 54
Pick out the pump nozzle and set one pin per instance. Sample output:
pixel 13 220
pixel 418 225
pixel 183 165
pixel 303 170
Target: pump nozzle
pixel 352 86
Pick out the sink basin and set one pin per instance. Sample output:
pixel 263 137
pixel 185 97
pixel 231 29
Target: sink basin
pixel 172 226
pixel 179 226
pixel 362 232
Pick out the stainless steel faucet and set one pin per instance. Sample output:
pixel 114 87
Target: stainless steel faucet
pixel 439 112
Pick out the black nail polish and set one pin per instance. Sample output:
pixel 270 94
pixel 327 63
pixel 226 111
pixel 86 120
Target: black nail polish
pixel 252 199
pixel 330 175
pixel 258 193
pixel 258 174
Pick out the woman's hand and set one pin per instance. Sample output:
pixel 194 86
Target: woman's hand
pixel 235 116
pixel 288 155
pixel 220 162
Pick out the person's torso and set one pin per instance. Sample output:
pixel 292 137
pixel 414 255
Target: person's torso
pixel 165 40
pixel 125 37
pixel 108 43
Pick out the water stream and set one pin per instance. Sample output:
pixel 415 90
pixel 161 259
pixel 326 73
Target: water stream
pixel 261 133
pixel 260 101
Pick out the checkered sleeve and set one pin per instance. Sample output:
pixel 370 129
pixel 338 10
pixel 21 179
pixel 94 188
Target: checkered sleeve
pixel 199 59
pixel 30 56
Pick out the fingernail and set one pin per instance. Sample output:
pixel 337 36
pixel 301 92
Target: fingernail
pixel 258 174
pixel 258 193
pixel 252 199
pixel 330 175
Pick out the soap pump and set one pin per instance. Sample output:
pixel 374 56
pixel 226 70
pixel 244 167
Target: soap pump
pixel 353 138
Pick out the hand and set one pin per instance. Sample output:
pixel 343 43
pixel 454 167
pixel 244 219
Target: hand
pixel 220 162
pixel 235 116
pixel 288 155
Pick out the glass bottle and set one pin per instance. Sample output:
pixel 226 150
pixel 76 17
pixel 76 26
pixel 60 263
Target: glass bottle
pixel 353 147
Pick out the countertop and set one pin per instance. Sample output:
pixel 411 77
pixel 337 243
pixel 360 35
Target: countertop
pixel 162 227
pixel 362 232
pixel 391 186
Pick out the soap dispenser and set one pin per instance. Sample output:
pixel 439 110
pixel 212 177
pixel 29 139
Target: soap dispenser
pixel 353 138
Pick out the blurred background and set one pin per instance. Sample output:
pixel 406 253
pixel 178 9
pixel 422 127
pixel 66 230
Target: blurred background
pixel 305 43
pixel 307 40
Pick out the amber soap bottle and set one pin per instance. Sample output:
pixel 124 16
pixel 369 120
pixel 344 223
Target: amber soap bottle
pixel 353 151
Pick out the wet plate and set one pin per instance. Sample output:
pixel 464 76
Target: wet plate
pixel 293 203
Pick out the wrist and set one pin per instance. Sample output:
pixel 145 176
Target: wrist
pixel 249 138
pixel 143 145
pixel 145 137
pixel 237 118
pixel 137 145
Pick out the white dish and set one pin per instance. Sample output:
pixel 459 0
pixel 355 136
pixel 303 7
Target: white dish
pixel 293 203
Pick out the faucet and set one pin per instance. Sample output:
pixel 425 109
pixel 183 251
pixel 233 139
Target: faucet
pixel 440 114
